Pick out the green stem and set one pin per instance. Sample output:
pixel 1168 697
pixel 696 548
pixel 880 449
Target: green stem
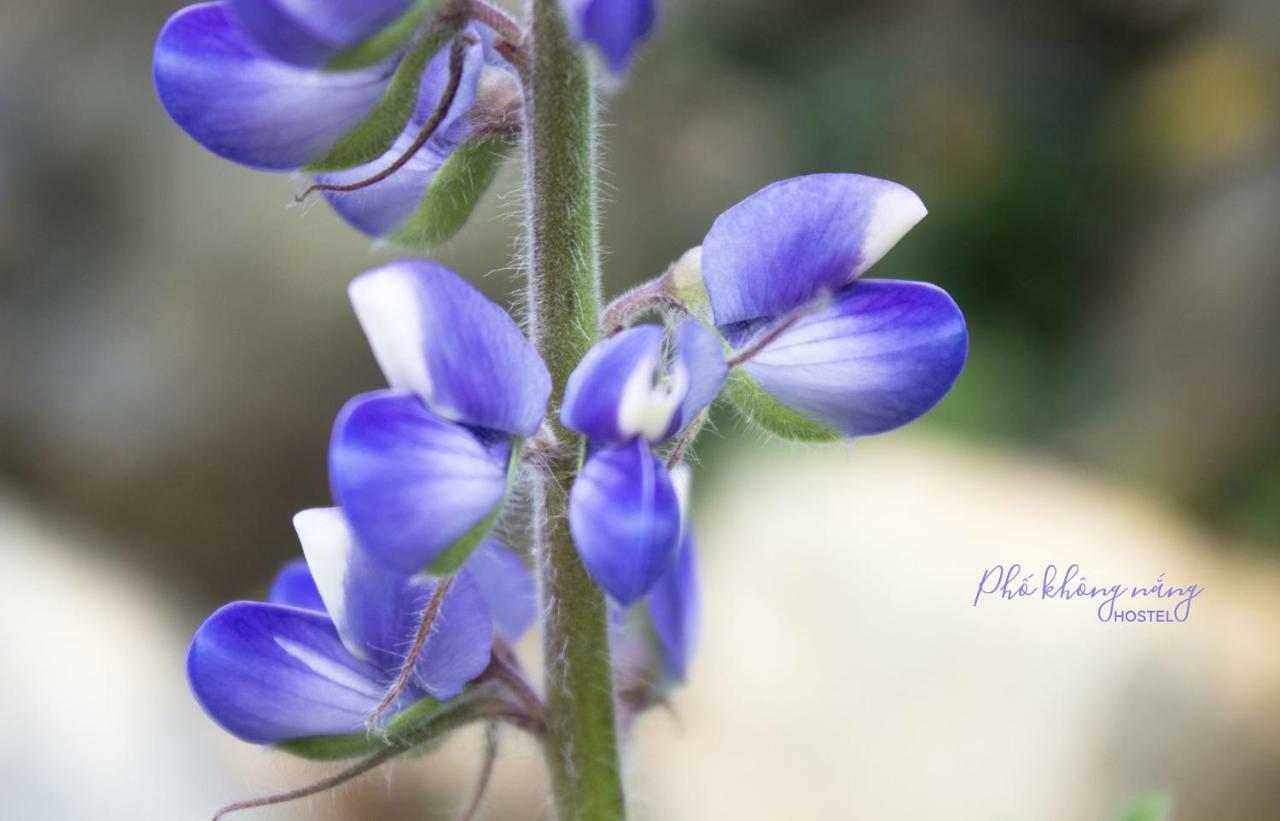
pixel 564 302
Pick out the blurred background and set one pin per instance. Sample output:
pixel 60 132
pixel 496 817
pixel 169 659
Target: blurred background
pixel 1103 178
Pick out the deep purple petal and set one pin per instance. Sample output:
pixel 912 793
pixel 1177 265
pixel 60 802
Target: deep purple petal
pixel 615 27
pixel 268 673
pixel 797 238
pixel 310 32
pixel 380 208
pixel 461 638
pixel 625 519
pixel 621 367
pixel 248 107
pixel 699 352
pixel 675 611
pixel 363 596
pixel 437 336
pixel 882 354
pixel 410 482
pixel 294 587
pixel 507 587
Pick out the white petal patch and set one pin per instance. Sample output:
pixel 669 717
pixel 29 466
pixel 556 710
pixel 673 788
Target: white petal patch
pixel 896 211
pixel 681 478
pixel 329 546
pixel 646 408
pixel 327 668
pixel 387 305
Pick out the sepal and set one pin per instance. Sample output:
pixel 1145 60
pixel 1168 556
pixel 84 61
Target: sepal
pixel 377 132
pixel 454 192
pixel 760 408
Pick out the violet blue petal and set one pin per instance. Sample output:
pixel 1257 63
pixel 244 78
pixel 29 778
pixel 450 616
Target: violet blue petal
pixel 362 595
pixel 882 354
pixel 267 673
pixel 625 519
pixel 461 639
pixel 380 208
pixel 675 611
pixel 507 587
pixel 700 354
pixel 248 107
pixel 439 337
pixel 294 587
pixel 608 394
pixel 311 32
pixel 615 27
pixel 410 482
pixel 786 244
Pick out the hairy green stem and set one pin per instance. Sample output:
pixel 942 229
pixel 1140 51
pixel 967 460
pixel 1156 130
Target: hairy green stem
pixel 564 301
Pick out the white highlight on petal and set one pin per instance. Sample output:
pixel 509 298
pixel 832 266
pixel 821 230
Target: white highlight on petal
pixel 327 668
pixel 329 545
pixel 682 478
pixel 390 313
pixel 646 409
pixel 896 211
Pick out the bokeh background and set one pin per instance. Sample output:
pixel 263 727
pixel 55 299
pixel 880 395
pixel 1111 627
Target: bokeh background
pixel 1103 178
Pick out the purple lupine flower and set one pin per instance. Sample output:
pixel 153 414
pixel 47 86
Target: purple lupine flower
pixel 625 397
pixel 615 27
pixel 318 658
pixel 252 81
pixel 852 357
pixel 419 467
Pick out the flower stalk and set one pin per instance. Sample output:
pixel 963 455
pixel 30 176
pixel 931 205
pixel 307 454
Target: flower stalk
pixel 563 302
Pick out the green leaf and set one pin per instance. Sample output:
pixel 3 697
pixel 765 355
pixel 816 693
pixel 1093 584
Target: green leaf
pixel 386 42
pixel 770 414
pixel 375 134
pixel 1154 806
pixel 454 192
pixel 457 553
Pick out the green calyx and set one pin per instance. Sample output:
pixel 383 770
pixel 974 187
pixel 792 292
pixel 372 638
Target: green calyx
pixel 456 554
pixel 386 42
pixel 376 133
pixel 402 731
pixel 762 409
pixel 454 192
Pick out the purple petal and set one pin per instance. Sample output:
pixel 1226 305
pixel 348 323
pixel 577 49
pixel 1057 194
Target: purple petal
pixel 362 596
pixel 294 587
pixel 675 611
pixel 798 238
pixel 410 482
pixel 615 27
pixel 882 354
pixel 461 639
pixel 310 32
pixel 437 336
pixel 250 108
pixel 615 376
pixel 699 352
pixel 268 673
pixel 380 208
pixel 625 519
pixel 507 587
